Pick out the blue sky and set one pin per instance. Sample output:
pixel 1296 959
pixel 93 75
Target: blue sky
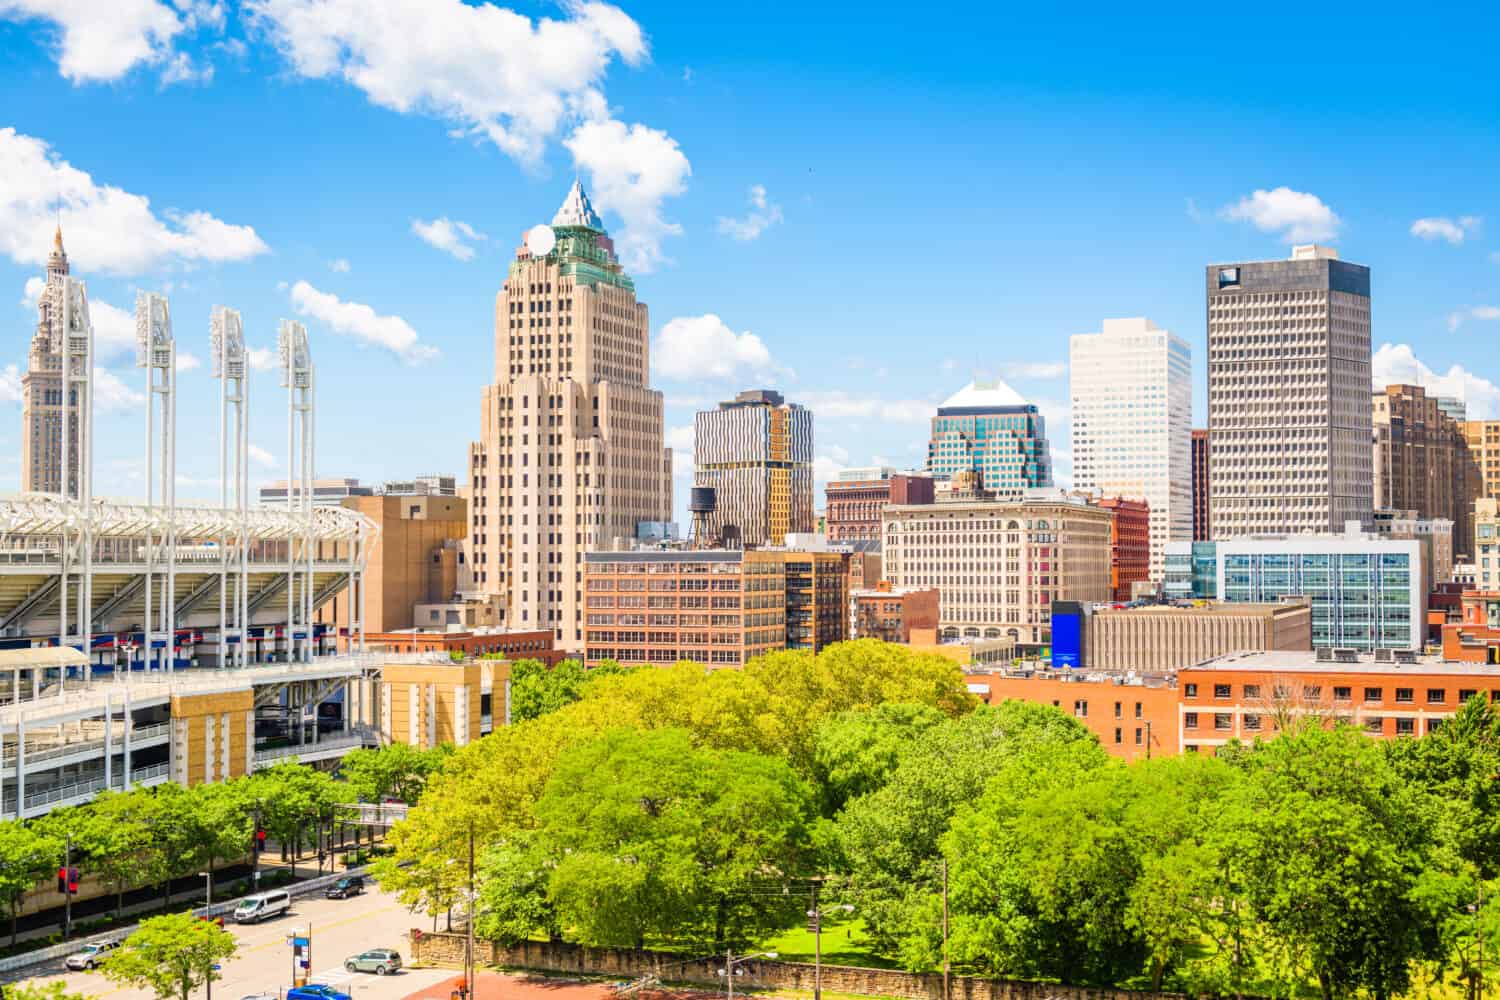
pixel 860 207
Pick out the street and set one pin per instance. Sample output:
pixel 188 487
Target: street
pixel 339 927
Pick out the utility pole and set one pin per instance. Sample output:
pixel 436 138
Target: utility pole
pixel 817 923
pixel 947 989
pixel 1148 739
pixel 68 863
pixel 469 938
pixel 729 971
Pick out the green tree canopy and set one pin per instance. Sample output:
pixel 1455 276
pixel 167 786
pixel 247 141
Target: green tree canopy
pixel 396 770
pixel 648 836
pixel 27 855
pixel 856 750
pixel 170 955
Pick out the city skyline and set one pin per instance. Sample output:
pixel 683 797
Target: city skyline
pixel 272 214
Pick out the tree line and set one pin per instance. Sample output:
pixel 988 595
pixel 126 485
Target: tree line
pixel 695 810
pixel 149 836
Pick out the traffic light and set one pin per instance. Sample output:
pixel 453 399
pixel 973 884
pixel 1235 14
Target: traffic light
pixel 67 881
pixel 62 881
pixel 260 841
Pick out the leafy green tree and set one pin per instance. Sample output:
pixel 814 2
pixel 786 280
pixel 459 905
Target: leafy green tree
pixel 170 955
pixel 397 770
pixel 114 834
pixel 889 837
pixel 649 836
pixel 33 989
pixel 209 824
pixel 513 902
pixel 292 800
pixel 537 689
pixel 856 750
pixel 27 855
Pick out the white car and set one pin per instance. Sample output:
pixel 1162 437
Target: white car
pixel 89 956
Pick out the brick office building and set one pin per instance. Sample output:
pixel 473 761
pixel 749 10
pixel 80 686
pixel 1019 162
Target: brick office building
pixel 1132 721
pixel 1130 544
pixel 893 613
pixel 857 496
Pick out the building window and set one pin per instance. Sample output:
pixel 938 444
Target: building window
pixel 1221 690
pixel 1251 691
pixel 1191 748
pixel 1342 694
pixel 1252 722
pixel 1190 720
pixel 1190 690
pixel 1405 696
pixel 1374 724
pixel 1436 696
pixel 1081 708
pixel 1138 705
pixel 1406 727
pixel 1119 736
pixel 1223 721
pixel 1312 692
pixel 1118 707
pixel 1464 694
pixel 1137 735
pixel 1374 694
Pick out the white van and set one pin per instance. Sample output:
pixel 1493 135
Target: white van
pixel 253 909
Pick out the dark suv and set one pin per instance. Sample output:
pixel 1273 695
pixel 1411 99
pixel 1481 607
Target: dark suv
pixel 349 885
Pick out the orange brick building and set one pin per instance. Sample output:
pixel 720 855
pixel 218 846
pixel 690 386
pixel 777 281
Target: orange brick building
pixel 1129 544
pixel 891 613
pixel 514 645
pixel 1132 721
pixel 1476 637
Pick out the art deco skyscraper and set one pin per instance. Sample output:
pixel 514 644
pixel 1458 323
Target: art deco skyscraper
pixel 42 409
pixel 570 455
pixel 756 451
pixel 1289 394
pixel 1132 389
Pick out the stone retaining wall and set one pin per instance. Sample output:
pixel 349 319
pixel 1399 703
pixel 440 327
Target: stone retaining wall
pixel 758 974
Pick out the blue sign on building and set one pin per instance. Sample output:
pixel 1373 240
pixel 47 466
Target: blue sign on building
pixel 1067 634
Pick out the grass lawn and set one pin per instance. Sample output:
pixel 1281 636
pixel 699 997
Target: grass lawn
pixel 843 944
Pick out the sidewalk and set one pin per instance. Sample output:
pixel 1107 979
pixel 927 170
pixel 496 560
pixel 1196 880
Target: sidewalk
pixel 491 985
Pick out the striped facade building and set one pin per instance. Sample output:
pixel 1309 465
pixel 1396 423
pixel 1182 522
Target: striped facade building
pixel 42 410
pixel 756 452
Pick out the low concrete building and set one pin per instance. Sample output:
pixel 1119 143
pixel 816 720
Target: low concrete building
pixel 1163 637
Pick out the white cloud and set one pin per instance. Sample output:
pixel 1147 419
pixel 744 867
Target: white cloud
pixel 32 294
pixel 187 361
pixel 840 405
pixel 261 457
pixel 490 71
pixel 105 228
pixel 114 330
pixel 1455 231
pixel 102 40
pixel 763 215
pixel 1298 216
pixel 261 359
pixel 113 394
pixel 1035 369
pixel 1397 363
pixel 693 347
pixel 499 76
pixel 1456 319
pixel 448 236
pixel 10 384
pixel 357 320
pixel 339 266
pixel 633 169
pixel 825 467
pixel 680 438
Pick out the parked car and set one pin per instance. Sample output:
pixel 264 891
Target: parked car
pixel 316 991
pixel 89 956
pixel 253 909
pixel 349 885
pixel 381 961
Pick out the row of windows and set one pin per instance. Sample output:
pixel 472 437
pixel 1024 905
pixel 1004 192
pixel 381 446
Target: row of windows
pixel 1341 693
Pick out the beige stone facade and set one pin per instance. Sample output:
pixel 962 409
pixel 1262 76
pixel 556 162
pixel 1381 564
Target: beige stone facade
pixel 1162 638
pixel 42 409
pixel 570 455
pixel 212 736
pixel 999 565
pixel 1421 459
pixel 427 705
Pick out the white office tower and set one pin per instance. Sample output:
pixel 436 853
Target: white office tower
pixel 1132 389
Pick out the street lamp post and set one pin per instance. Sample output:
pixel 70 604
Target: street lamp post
pixel 815 920
pixel 208 891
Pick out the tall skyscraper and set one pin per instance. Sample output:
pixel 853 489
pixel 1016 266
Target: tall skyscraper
pixel 1132 389
pixel 756 451
pixel 42 407
pixel 570 454
pixel 1288 394
pixel 1202 523
pixel 987 428
pixel 1420 459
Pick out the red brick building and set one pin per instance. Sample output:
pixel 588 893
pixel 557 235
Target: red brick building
pixel 1132 721
pixel 891 613
pixel 1130 544
pixel 1476 638
pixel 514 645
pixel 854 504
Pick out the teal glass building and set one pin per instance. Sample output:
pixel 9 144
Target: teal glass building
pixel 988 428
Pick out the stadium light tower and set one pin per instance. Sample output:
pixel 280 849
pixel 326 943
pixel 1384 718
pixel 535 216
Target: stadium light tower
pixel 298 377
pixel 227 345
pixel 77 554
pixel 156 351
